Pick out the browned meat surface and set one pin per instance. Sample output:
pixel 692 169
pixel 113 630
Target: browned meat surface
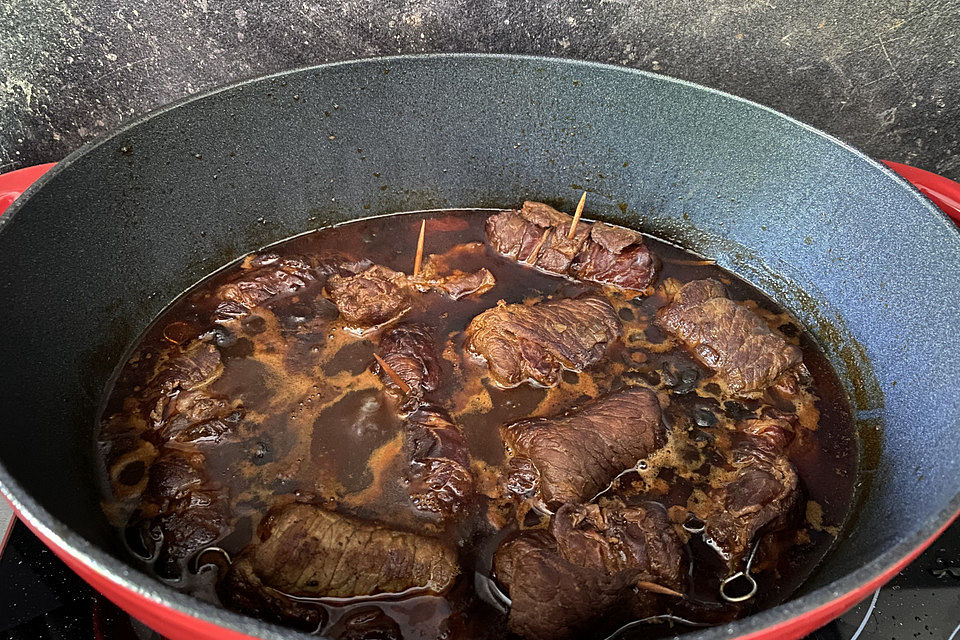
pixel 178 404
pixel 263 278
pixel 241 589
pixel 156 455
pixel 536 342
pixel 562 582
pixel 411 353
pixel 195 366
pixel 539 235
pixel 366 623
pixel 578 453
pixel 614 239
pixel 552 599
pixel 369 295
pixel 727 337
pixel 763 491
pixel 521 478
pixel 370 298
pixel 440 272
pixel 182 407
pixel 459 284
pixel 619 538
pixel 308 551
pixel 438 473
pixel 616 257
pixel 180 511
pixel 198 417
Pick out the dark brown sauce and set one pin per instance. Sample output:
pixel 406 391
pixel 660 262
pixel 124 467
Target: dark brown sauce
pixel 318 426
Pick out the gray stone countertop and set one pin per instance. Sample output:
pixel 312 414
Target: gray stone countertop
pixel 882 75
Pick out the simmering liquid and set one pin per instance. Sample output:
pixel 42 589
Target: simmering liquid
pixel 317 426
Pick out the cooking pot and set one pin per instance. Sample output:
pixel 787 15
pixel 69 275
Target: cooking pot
pixel 103 241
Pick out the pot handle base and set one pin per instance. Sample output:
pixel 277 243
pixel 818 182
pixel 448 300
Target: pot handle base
pixel 942 192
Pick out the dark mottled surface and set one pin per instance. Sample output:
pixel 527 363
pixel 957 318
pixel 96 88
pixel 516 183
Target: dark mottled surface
pixel 880 74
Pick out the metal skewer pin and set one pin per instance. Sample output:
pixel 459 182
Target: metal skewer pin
pixel 743 577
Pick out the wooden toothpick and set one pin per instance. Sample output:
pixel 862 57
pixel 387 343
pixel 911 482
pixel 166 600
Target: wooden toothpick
pixel 532 258
pixel 404 387
pixel 658 588
pixel 419 258
pixel 576 216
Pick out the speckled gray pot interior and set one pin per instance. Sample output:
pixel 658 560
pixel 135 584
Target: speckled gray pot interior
pixel 116 231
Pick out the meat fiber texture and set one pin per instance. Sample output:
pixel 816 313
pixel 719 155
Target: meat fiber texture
pixel 183 409
pixel 438 472
pixel 437 475
pixel 578 453
pixel 411 353
pixel 603 254
pixel 763 492
pixel 264 278
pixel 536 342
pixel 587 564
pixel 368 295
pixel 183 507
pixel 727 337
pixel 371 297
pixel 180 511
pixel 306 551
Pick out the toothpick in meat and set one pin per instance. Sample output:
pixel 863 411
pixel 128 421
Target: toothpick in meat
pixel 576 215
pixel 658 588
pixel 419 258
pixel 532 258
pixel 404 387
